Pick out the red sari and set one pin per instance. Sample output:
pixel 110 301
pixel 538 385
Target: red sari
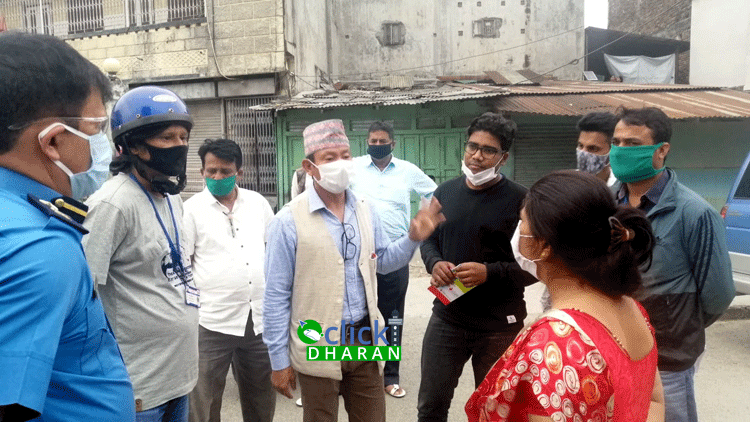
pixel 568 373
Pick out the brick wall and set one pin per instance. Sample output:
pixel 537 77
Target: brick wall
pixel 248 36
pixel 631 15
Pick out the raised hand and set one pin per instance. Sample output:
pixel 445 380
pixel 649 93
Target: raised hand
pixel 426 221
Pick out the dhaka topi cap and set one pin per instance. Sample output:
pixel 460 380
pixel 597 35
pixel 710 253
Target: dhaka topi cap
pixel 325 134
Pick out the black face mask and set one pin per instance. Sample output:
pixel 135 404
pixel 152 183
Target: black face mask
pixel 379 151
pixel 160 183
pixel 168 161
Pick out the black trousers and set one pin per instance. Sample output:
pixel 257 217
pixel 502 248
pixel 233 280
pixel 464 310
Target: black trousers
pixel 445 350
pixel 391 299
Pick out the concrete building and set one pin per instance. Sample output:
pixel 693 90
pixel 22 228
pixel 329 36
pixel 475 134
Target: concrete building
pixel 720 43
pixel 656 18
pixel 338 40
pixel 221 56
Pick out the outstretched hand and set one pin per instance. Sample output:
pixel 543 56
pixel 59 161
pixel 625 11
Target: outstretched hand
pixel 425 222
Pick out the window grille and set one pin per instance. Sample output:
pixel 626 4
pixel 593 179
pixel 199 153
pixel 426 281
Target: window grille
pixel 85 16
pixel 487 27
pixel 81 18
pixel 394 33
pixel 254 133
pixel 140 12
pixel 37 18
pixel 185 9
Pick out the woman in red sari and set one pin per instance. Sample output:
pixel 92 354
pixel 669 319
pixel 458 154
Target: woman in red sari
pixel 593 356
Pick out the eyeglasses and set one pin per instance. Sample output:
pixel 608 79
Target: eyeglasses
pixel 487 152
pixel 349 248
pixel 100 123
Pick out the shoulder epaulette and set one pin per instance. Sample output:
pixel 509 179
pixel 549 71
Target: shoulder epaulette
pixel 72 208
pixel 53 210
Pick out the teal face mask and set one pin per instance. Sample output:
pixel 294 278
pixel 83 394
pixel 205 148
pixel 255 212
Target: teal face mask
pixel 221 187
pixel 633 164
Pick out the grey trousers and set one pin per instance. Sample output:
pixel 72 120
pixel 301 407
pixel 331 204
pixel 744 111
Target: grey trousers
pixel 251 368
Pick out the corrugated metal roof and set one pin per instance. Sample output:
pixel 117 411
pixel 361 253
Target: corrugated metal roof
pixel 561 98
pixel 324 99
pixel 580 87
pixel 678 103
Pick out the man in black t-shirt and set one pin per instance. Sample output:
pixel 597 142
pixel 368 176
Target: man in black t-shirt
pixel 473 244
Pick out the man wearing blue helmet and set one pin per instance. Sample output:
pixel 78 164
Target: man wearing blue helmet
pixel 137 256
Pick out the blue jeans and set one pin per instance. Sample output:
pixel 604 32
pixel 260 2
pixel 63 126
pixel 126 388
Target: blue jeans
pixel 175 410
pixel 679 395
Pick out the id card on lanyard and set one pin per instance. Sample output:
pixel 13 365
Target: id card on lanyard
pixel 192 294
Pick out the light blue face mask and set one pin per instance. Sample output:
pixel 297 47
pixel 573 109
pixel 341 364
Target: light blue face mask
pixel 85 183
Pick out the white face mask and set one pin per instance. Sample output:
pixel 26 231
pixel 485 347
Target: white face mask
pixel 526 264
pixel 336 176
pixel 87 182
pixel 478 179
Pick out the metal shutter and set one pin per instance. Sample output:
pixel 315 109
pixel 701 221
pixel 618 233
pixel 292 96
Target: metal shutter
pixel 254 133
pixel 207 123
pixel 540 149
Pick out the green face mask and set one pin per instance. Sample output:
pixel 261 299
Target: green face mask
pixel 221 187
pixel 633 164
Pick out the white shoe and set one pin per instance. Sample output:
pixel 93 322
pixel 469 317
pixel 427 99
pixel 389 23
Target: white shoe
pixel 299 402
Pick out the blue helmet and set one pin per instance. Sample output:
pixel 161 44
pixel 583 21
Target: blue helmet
pixel 147 105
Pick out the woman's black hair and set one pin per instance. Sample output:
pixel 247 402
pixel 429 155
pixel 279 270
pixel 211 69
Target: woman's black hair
pixel 571 211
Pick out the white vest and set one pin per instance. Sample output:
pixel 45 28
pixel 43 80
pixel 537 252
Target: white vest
pixel 318 289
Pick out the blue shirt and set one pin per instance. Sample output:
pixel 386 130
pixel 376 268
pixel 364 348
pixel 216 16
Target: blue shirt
pixel 57 353
pixel 390 190
pixel 281 252
pixel 650 198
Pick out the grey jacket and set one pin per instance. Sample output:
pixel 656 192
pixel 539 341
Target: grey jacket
pixel 689 282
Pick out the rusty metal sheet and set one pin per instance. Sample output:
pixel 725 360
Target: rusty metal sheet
pixel 497 78
pixel 682 104
pixel 530 75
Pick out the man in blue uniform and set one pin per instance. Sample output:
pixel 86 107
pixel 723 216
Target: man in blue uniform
pixel 58 358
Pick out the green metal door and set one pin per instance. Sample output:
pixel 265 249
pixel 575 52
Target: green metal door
pixel 440 155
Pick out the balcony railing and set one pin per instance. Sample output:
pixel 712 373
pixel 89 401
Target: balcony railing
pixel 78 18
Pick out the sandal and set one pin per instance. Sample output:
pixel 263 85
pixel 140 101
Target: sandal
pixel 395 391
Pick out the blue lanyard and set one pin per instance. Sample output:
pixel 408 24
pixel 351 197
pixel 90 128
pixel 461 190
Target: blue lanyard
pixel 174 251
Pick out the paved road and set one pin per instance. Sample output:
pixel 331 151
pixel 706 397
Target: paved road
pixel 722 383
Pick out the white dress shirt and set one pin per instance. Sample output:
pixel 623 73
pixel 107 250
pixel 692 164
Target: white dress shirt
pixel 227 251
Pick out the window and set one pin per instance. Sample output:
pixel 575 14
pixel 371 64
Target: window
pixel 36 20
pixel 85 16
pixel 180 10
pixel 743 188
pixel 394 33
pixel 140 12
pixel 487 27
